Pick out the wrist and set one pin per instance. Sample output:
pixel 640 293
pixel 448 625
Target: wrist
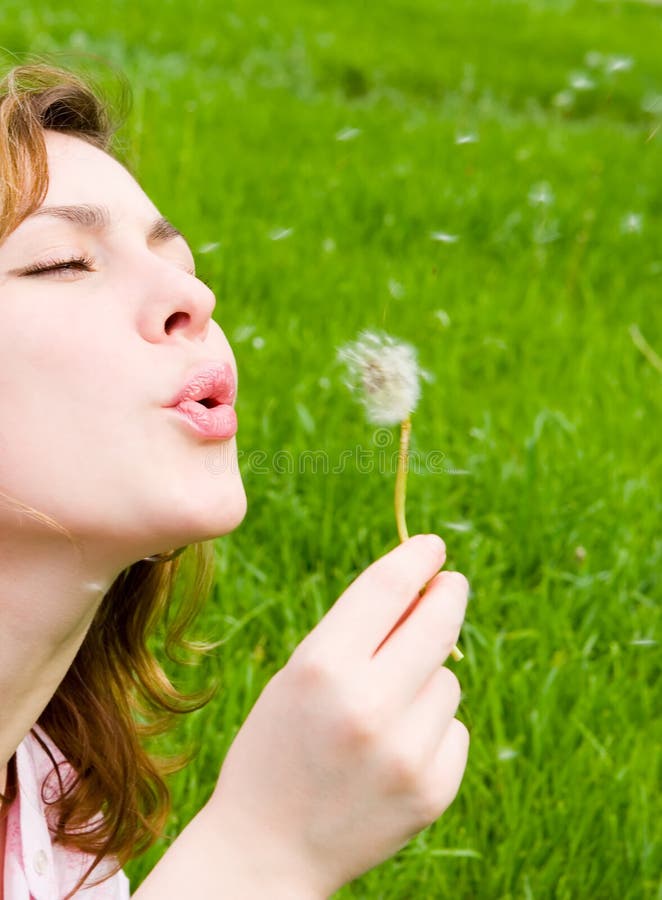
pixel 260 864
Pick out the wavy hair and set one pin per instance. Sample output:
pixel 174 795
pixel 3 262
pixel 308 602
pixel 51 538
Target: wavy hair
pixel 115 686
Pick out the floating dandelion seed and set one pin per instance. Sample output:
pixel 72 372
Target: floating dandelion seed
pixel 386 375
pixel 209 247
pixel 279 234
pixel 443 237
pixel 347 134
pixel 632 223
pixel 619 64
pixel 541 194
pixel 593 59
pixel 564 99
pixel 466 139
pixel 395 289
pixel 580 81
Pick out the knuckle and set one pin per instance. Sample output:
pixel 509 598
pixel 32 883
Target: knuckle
pixel 360 723
pixel 403 771
pixel 428 806
pixel 309 667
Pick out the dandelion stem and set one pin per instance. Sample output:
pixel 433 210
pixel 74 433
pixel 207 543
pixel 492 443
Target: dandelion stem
pixel 401 480
pixel 401 497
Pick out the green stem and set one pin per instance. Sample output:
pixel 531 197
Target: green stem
pixel 401 480
pixel 401 497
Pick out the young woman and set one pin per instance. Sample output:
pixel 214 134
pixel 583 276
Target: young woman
pixel 114 380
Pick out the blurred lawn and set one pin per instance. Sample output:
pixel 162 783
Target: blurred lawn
pixel 310 151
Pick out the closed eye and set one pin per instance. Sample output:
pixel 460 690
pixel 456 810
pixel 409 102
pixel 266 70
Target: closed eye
pixel 77 264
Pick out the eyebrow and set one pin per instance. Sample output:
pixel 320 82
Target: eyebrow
pixel 98 217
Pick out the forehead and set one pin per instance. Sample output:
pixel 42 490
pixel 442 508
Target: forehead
pixel 79 173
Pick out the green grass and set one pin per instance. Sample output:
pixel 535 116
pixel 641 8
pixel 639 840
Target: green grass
pixel 542 404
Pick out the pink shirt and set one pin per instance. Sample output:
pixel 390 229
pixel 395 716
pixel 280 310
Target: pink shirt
pixel 35 868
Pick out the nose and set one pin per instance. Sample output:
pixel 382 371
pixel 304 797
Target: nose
pixel 181 307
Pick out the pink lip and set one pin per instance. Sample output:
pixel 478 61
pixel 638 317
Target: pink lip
pixel 215 384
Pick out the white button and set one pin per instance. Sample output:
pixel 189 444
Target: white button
pixel 40 862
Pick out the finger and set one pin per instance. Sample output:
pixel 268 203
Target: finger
pixel 423 642
pixel 373 603
pixel 425 722
pixel 448 765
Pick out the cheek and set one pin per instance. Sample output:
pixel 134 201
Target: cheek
pixel 56 372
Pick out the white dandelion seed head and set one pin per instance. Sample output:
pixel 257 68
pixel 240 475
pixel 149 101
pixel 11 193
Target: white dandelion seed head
pixel 385 374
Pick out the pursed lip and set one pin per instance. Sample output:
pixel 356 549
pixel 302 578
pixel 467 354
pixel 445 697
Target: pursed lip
pixel 213 382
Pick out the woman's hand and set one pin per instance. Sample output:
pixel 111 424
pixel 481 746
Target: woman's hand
pixel 352 747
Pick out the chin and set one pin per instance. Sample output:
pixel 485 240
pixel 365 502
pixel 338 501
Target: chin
pixel 235 512
pixel 226 513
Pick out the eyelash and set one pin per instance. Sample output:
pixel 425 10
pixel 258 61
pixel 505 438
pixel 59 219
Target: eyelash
pixel 77 264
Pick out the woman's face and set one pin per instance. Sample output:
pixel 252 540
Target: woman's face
pixel 89 361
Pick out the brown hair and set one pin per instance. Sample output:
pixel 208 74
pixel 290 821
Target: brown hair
pixel 116 691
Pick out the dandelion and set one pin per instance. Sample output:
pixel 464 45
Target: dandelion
pixel 386 375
